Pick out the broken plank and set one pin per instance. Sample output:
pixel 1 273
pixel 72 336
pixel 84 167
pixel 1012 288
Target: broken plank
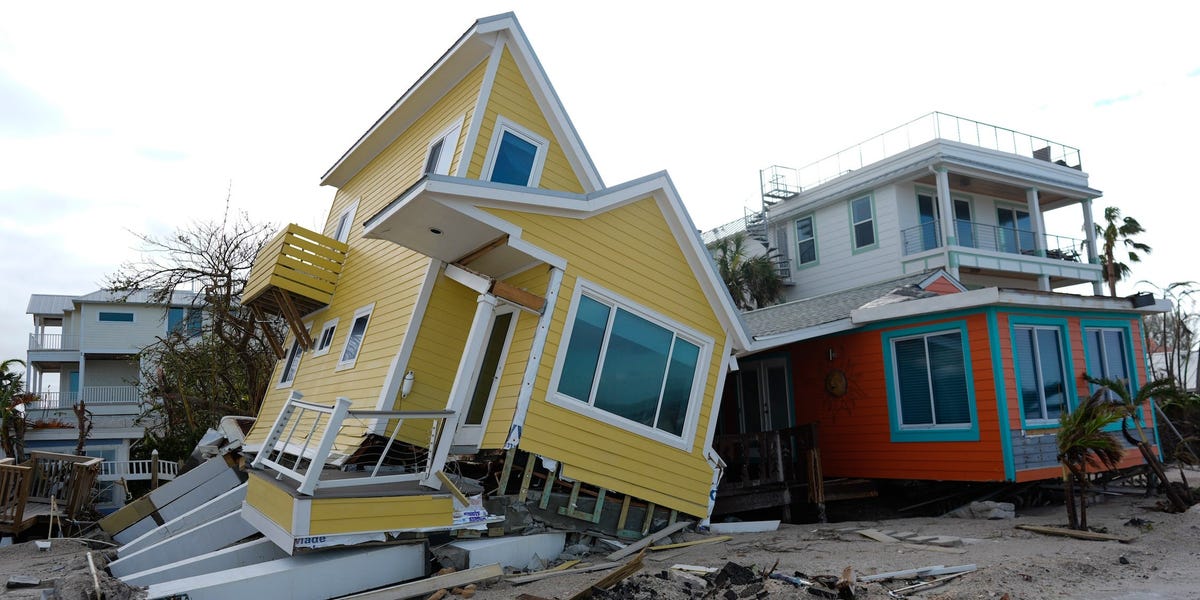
pixel 941 549
pixel 633 566
pixel 695 568
pixel 932 571
pixel 712 540
pixel 878 536
pixel 744 527
pixel 1081 535
pixel 519 579
pixel 432 584
pixel 646 541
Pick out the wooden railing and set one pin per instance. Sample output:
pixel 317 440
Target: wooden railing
pixel 65 479
pixel 302 263
pixel 763 467
pixel 301 441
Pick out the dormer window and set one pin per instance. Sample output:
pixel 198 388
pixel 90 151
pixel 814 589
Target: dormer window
pixel 516 155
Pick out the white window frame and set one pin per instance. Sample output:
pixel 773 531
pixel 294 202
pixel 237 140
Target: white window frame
pixel 539 160
pixel 812 220
pixel 1039 376
pixel 855 247
pixel 686 440
pixel 449 138
pixel 346 216
pixel 331 326
pixel 294 353
pixel 348 363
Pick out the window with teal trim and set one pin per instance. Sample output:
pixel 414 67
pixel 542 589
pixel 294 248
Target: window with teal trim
pixel 806 241
pixel 1106 357
pixel 862 219
pixel 629 366
pixel 184 321
pixel 116 317
pixel 931 380
pixel 1038 352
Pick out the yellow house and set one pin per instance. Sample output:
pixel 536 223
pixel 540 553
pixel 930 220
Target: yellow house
pixel 479 294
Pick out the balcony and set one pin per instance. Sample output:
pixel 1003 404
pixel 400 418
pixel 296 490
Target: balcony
pixel 781 183
pixel 927 236
pixel 295 274
pixel 52 341
pixel 91 395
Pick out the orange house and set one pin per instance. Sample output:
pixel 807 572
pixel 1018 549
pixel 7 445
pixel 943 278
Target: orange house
pixel 918 378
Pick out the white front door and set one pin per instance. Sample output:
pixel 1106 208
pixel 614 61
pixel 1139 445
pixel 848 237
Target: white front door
pixel 487 378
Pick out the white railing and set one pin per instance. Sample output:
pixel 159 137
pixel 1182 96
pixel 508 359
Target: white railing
pixel 53 341
pixel 303 437
pixel 91 394
pixel 784 182
pixel 138 470
pixel 927 236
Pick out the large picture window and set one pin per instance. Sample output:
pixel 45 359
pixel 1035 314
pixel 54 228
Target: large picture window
pixel 625 362
pixel 930 386
pixel 1041 372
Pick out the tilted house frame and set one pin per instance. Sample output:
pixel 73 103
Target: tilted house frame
pixel 477 287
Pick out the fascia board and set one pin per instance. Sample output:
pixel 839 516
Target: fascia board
pixel 806 333
pixel 1001 297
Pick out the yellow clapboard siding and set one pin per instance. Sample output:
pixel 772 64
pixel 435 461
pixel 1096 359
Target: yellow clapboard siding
pixel 504 405
pixel 332 516
pixel 511 98
pixel 270 500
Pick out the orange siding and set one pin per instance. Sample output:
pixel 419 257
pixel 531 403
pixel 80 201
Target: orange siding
pixel 854 429
pixel 941 285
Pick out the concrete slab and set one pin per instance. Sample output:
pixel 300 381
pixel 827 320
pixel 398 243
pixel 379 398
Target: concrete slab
pixel 312 576
pixel 238 555
pixel 214 535
pixel 205 513
pixel 509 551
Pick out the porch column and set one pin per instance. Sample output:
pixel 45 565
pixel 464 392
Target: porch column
pixel 946 210
pixel 79 388
pixel 1039 232
pixel 461 388
pixel 1089 230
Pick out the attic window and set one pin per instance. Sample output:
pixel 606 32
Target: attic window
pixel 515 155
pixel 441 150
pixel 345 221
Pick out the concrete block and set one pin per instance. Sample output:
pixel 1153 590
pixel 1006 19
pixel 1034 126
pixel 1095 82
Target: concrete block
pixel 312 576
pixel 508 551
pixel 208 537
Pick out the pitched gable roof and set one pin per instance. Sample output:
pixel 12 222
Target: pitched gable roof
pixel 474 46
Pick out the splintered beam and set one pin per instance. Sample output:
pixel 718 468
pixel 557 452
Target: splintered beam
pixel 488 285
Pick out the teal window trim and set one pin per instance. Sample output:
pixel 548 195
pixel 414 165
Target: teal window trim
pixel 968 432
pixel 855 248
pixel 114 317
pixel 998 378
pixel 816 249
pixel 1065 345
pixel 1126 329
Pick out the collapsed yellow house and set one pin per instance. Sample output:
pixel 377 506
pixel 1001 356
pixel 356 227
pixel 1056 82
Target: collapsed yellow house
pixel 478 289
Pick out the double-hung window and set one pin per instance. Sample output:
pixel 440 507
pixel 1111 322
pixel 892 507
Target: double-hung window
pixel 291 364
pixel 1106 355
pixel 516 155
pixel 628 366
pixel 806 241
pixel 930 385
pixel 1041 372
pixel 862 223
pixel 354 340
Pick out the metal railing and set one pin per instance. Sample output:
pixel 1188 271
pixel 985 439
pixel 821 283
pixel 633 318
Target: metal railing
pixel 137 470
pixel 53 341
pixel 91 394
pixel 303 437
pixel 927 236
pixel 784 182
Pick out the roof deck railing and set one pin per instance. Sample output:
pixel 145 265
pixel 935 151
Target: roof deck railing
pixel 784 182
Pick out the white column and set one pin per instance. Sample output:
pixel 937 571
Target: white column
pixel 1089 230
pixel 535 360
pixel 1039 232
pixel 946 210
pixel 79 388
pixel 461 388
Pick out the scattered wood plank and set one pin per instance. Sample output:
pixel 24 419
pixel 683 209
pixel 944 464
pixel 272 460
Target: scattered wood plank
pixel 646 541
pixel 935 548
pixel 695 568
pixel 1081 535
pixel 626 570
pixel 878 536
pixel 931 582
pixel 711 540
pixel 519 579
pixel 530 597
pixel 744 527
pixel 430 585
pixel 931 571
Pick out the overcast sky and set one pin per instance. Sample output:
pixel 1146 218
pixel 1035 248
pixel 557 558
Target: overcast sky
pixel 119 116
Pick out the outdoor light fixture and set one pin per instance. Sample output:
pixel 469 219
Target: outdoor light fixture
pixel 406 384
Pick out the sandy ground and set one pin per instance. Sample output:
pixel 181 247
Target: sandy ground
pixel 1162 562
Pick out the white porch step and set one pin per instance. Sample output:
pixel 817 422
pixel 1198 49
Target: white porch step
pixel 313 576
pixel 214 535
pixel 238 555
pixel 205 513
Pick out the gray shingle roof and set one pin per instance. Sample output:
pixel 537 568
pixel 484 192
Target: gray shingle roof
pixel 828 308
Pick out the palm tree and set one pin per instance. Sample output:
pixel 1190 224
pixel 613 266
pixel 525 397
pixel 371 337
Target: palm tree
pixel 1129 403
pixel 12 419
pixel 752 281
pixel 1119 230
pixel 1083 441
